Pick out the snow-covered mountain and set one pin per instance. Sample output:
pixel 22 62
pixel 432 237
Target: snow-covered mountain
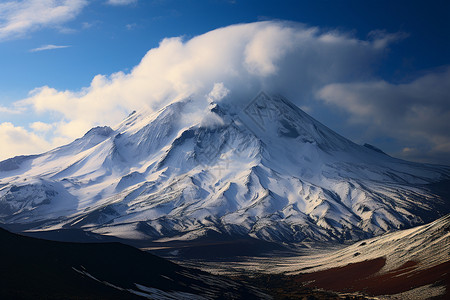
pixel 267 170
pixel 412 263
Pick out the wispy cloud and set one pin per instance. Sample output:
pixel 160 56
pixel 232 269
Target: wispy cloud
pixel 41 126
pixel 8 110
pixel 91 24
pixel 121 2
pixel 384 38
pixel 17 18
pixel 49 47
pixel 130 26
pixel 86 25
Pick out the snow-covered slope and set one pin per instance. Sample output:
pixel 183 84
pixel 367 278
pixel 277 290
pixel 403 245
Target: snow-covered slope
pixel 267 170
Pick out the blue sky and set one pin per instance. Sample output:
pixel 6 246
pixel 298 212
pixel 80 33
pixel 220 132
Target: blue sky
pixel 397 98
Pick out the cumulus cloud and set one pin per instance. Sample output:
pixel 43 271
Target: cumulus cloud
pixel 416 113
pixel 18 140
pixel 41 126
pixel 278 57
pixel 20 17
pixel 48 47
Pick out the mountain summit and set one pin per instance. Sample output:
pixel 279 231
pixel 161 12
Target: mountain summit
pixel 268 171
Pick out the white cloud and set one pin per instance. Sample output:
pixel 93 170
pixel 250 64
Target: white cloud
pixel 382 38
pixel 218 92
pixel 18 18
pixel 17 140
pixel 416 113
pixel 8 110
pixel 245 59
pixel 121 2
pixel 41 126
pixel 48 47
pixel 130 26
pixel 87 25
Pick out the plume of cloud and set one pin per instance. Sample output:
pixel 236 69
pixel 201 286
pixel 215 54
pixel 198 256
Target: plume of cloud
pixel 17 18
